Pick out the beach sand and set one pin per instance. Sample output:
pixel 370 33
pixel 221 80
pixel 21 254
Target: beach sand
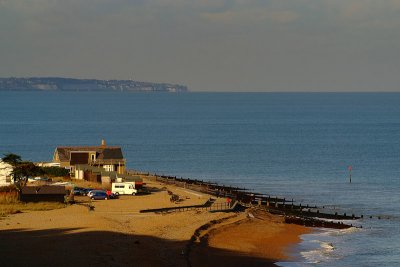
pixel 116 234
pixel 259 240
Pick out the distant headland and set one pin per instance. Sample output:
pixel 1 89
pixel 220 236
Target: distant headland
pixel 70 84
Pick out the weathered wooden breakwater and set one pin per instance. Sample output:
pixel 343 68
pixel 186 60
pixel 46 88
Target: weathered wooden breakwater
pixel 209 205
pixel 309 215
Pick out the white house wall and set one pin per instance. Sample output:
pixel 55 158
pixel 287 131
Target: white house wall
pixel 5 174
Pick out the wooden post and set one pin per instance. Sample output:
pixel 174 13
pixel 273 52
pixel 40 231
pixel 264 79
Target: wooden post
pixel 350 169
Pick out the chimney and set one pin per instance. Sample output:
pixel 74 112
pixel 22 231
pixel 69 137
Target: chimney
pixel 103 143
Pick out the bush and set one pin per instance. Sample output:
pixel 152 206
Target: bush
pixel 8 188
pixel 8 197
pixel 55 171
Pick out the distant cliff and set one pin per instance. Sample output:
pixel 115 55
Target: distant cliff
pixel 68 84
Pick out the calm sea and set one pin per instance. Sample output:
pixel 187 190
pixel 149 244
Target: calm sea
pixel 293 145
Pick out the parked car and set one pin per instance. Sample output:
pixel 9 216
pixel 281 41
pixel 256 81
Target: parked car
pixel 87 190
pixel 90 193
pixel 99 195
pixel 111 195
pixel 78 191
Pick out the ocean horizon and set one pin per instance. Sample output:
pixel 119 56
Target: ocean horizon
pixel 294 145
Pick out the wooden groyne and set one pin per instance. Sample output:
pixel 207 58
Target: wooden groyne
pixel 311 222
pixel 209 205
pixel 303 214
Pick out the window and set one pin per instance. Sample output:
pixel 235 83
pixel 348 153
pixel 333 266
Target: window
pixel 93 156
pixel 109 168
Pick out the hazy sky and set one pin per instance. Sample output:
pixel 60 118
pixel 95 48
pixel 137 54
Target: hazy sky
pixel 209 45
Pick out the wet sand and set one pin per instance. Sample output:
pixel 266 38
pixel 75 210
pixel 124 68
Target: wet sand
pixel 258 241
pixel 116 234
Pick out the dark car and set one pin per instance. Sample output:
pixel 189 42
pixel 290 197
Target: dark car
pixel 86 191
pixel 99 195
pixel 78 191
pixel 111 195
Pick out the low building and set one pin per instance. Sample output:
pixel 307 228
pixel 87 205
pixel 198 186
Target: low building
pixel 110 158
pixel 128 178
pixel 5 174
pixel 49 193
pixel 99 175
pixel 94 174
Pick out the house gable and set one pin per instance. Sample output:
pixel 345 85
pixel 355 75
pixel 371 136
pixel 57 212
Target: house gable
pixel 108 157
pixel 63 154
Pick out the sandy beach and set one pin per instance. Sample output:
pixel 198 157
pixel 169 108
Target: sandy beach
pixel 117 234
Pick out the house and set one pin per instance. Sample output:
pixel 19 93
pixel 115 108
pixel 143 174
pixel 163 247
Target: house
pixel 99 175
pixel 110 158
pixel 5 174
pixel 94 174
pixel 50 193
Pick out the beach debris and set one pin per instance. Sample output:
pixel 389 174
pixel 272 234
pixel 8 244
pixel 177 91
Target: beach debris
pixel 90 207
pixel 174 198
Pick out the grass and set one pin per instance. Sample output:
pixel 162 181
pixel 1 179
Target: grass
pixel 9 204
pixel 8 197
pixel 7 209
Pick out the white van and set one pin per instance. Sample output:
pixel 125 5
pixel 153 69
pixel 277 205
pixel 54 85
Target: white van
pixel 123 189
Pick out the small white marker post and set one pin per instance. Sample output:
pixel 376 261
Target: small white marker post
pixel 350 169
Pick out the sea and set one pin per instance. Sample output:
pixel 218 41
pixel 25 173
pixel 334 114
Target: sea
pixel 293 145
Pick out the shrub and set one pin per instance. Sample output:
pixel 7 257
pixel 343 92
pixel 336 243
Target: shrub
pixel 8 209
pixel 55 171
pixel 8 188
pixel 8 197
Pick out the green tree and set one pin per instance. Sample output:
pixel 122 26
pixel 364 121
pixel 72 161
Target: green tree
pixel 21 170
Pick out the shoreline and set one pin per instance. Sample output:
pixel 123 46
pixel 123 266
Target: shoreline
pixel 255 238
pixel 116 234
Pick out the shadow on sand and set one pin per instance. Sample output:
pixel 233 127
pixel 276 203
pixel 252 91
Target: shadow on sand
pixel 77 247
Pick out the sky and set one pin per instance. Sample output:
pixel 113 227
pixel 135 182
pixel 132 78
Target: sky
pixel 208 45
